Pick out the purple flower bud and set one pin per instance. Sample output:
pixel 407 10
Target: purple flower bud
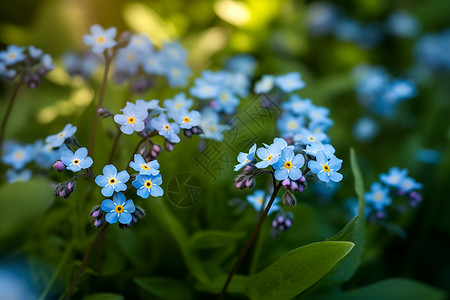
pixel 280 219
pixel 42 71
pixel 98 222
pixel 196 130
pixel 96 213
pixel 59 166
pixel 302 179
pixel 70 186
pixel 249 183
pixel 289 140
pixel 274 223
pixel 169 146
pixel 294 185
pixel 213 104
pixel 26 78
pixel 156 148
pixel 32 85
pixel 286 182
pixel 282 228
pixel 154 154
pixel 63 194
pixel 35 77
pixel 187 133
pixel 104 112
pixel 134 219
pixel 288 223
pixel 301 188
pixel 249 168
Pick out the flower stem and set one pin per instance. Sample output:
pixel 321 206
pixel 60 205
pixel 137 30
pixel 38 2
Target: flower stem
pixel 250 240
pixel 8 112
pixel 99 104
pixel 85 260
pixel 113 149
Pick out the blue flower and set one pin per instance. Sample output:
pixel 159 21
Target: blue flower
pixel 178 75
pixel 297 105
pixel 315 147
pixel 408 184
pixel 132 119
pixel 326 169
pixel 264 85
pixel 175 52
pixel 100 39
pixel 153 63
pixel 378 197
pixel 319 114
pixel 128 60
pixel 288 124
pixel 394 177
pixel 257 199
pixel 148 185
pixel 282 143
pixel 141 44
pixel 288 166
pixel 118 209
pixel 47 62
pixel 58 139
pixel 245 158
pixel 144 168
pixel 44 154
pixel 18 176
pixel 18 156
pixel 399 90
pixel 76 161
pixel 210 125
pixel 290 82
pixel 402 24
pixel 12 55
pixel 307 137
pixel 178 101
pixel 242 63
pixel 226 102
pixel 268 155
pixel 187 119
pixel 166 129
pixel 365 129
pixel 34 52
pixel 112 181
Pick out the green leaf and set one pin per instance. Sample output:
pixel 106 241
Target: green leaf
pixel 297 270
pixel 208 239
pixel 165 288
pixel 237 284
pixel 104 296
pixel 395 289
pixel 23 203
pixel 353 232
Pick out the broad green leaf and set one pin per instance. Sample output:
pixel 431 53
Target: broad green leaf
pixel 165 288
pixel 207 239
pixel 104 296
pixel 22 203
pixel 395 289
pixel 297 270
pixel 237 284
pixel 353 232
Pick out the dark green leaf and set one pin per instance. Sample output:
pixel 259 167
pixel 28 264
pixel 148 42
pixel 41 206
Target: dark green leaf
pixel 207 239
pixel 104 296
pixel 165 288
pixel 297 270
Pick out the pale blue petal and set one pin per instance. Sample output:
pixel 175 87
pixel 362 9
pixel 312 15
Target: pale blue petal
pixel 157 180
pixel 281 174
pixel 108 205
pixel 143 193
pixel 127 128
pixel 101 180
pixel 321 157
pixel 119 199
pixel 315 166
pixel 335 176
pixel 107 191
pixel 111 217
pixel 335 163
pixel 81 153
pixel 86 163
pixel 123 176
pixel 323 176
pixel 295 173
pixel 120 187
pixel 125 218
pixel 129 206
pixel 135 166
pixel 109 171
pixel 156 191
pixel 298 161
pixel 120 119
pixel 262 164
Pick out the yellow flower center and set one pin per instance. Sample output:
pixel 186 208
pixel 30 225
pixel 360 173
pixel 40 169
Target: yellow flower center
pixel 269 157
pixel 212 128
pixel 130 57
pixel 311 138
pixel 259 200
pixel 224 97
pixel 131 120
pixel 378 196
pixel 19 155
pixel 145 167
pixel 288 165
pixel 101 39
pixel 167 127
pixel 326 168
pixel 12 55
pixel 246 161
pixel 112 181
pixel 148 184
pixel 76 161
pixel 119 209
pixel 292 125
pixel 175 73
pixel 179 105
pixel 61 135
pixel 186 120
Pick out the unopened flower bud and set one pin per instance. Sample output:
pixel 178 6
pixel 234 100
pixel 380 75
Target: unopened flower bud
pixel 104 112
pixel 250 183
pixel 156 148
pixel 98 222
pixel 59 166
pixel 124 39
pixel 302 179
pixel 239 184
pixel 294 186
pixel 32 85
pixel 169 146
pixel 187 133
pixel 196 130
pixel 286 182
pixel 289 199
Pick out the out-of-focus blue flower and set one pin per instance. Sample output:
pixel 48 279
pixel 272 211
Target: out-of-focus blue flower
pixel 297 105
pixel 264 85
pixel 378 197
pixel 16 282
pixel 400 90
pixel 370 80
pixel 365 129
pixel 18 156
pixel 47 62
pixel 112 181
pixel 132 119
pixel 268 156
pixel 128 60
pixel 245 158
pixel 242 63
pixel 18 176
pixel 319 114
pixel 308 137
pixel 226 102
pixel 148 185
pixel 290 82
pixel 282 143
pixel 144 168
pixel 288 166
pixel 178 101
pixel 177 76
pixel 348 30
pixel 34 52
pixel 141 44
pixel 203 89
pixel 394 177
pixel 82 65
pixel 432 50
pixel 210 125
pixel 118 209
pixel 6 73
pixel 315 147
pixel 12 55
pixel 326 169
pixel 166 129
pixel 100 39
pixel 187 119
pixel 321 18
pixel 76 161
pixel 402 24
pixel 175 51
pixel 154 63
pixel 58 139
pixel 257 199
pixel 44 154
pixel 408 184
pixel 288 124
pixel 429 156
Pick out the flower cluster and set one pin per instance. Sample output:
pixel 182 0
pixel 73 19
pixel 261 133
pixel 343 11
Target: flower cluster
pixel 31 63
pixel 432 51
pixel 287 83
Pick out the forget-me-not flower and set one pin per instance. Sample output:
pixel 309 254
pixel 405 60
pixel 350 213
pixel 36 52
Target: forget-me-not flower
pixel 378 197
pixel 12 55
pixel 268 156
pixel 187 119
pixel 166 129
pixel 257 199
pixel 144 168
pixel 289 164
pixel 76 161
pixel 148 185
pixel 100 39
pixel 132 119
pixel 394 177
pixel 245 158
pixel 58 139
pixel 118 209
pixel 326 169
pixel 112 181
pixel 290 82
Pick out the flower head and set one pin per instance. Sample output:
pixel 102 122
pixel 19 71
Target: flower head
pixel 268 155
pixel 394 177
pixel 100 39
pixel 112 181
pixel 18 176
pixel 187 119
pixel 132 119
pixel 18 156
pixel 76 161
pixel 166 129
pixel 118 209
pixel 265 85
pixel 326 169
pixel 179 101
pixel 290 82
pixel 315 147
pixel 12 55
pixel 58 139
pixel 245 158
pixel 257 199
pixel 144 168
pixel 288 166
pixel 378 197
pixel 148 185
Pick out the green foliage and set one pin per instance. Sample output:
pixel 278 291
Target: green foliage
pixel 297 270
pixel 165 288
pixel 104 296
pixel 208 239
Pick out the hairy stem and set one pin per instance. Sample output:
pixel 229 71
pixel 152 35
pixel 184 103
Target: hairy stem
pixel 85 260
pixel 99 104
pixel 250 240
